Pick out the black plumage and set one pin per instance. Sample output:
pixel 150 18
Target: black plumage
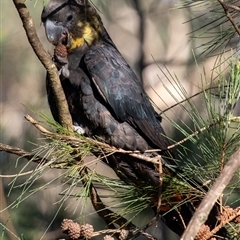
pixel 105 97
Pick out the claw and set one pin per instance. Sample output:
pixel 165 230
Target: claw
pixel 78 129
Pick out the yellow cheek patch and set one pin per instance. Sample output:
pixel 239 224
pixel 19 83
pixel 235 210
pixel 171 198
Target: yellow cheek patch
pixel 89 34
pixel 75 43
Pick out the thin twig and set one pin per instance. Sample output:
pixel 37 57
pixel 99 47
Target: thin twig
pixel 160 170
pixel 147 235
pixel 106 214
pixel 192 135
pixel 201 214
pixel 68 138
pixel 112 231
pixel 16 175
pixel 38 159
pixel 44 57
pixel 233 119
pixel 189 98
pixel 229 16
pixel 22 153
pixel 229 5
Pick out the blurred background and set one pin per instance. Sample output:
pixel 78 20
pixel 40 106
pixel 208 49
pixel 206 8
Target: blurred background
pixel 152 35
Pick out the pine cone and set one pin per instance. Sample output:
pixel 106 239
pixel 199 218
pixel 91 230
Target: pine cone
pixel 123 234
pixel 203 231
pixel 87 231
pixel 226 214
pixel 237 220
pixel 236 212
pixel 60 51
pixel 72 229
pixel 65 224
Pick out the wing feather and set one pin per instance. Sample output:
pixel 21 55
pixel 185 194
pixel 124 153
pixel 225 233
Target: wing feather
pixel 121 89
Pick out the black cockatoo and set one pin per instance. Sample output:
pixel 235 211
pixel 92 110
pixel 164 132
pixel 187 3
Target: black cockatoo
pixel 105 97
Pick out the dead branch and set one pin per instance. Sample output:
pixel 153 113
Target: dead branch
pixel 201 214
pixel 45 58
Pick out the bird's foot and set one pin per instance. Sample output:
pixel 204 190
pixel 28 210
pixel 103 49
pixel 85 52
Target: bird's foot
pixel 78 129
pixel 64 71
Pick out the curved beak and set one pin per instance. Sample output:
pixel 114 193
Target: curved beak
pixel 56 34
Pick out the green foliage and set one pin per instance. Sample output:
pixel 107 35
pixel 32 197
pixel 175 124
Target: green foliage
pixel 212 136
pixel 211 128
pixel 211 27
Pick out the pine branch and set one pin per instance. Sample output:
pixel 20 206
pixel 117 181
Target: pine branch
pixel 201 214
pixel 189 98
pixel 22 153
pixel 106 214
pixel 107 149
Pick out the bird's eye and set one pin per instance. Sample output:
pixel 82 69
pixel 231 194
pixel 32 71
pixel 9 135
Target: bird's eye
pixel 69 17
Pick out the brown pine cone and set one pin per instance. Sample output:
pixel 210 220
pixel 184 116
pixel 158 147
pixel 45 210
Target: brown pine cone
pixel 237 220
pixel 203 231
pixel 226 214
pixel 123 234
pixel 236 212
pixel 72 229
pixel 65 225
pixel 87 231
pixel 60 51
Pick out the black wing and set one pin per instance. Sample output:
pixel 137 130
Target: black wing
pixel 121 89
